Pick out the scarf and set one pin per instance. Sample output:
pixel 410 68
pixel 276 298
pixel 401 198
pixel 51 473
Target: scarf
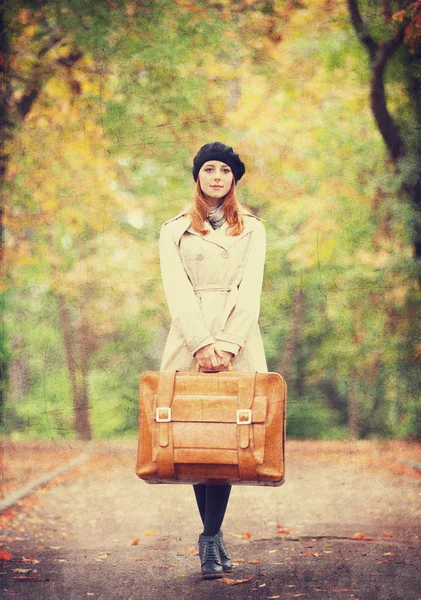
pixel 216 216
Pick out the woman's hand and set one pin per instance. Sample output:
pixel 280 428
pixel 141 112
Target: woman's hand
pixel 208 357
pixel 212 357
pixel 224 356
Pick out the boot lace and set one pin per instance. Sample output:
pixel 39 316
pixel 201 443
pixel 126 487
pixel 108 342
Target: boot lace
pixel 210 551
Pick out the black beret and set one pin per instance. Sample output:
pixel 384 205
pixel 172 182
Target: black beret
pixel 218 151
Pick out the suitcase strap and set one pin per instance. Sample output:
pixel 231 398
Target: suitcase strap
pixel 165 454
pixel 246 460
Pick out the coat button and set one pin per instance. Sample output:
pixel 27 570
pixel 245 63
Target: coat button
pixel 199 257
pixel 225 254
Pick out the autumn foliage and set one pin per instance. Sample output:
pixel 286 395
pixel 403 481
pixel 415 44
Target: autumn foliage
pixel 106 105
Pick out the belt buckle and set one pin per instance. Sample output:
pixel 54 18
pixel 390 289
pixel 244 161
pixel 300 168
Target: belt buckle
pixel 244 416
pixel 163 414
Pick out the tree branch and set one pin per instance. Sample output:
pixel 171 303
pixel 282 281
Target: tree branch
pixel 387 126
pixel 53 41
pixel 361 29
pixel 32 92
pixel 380 55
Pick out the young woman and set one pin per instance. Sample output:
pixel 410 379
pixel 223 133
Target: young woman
pixel 212 261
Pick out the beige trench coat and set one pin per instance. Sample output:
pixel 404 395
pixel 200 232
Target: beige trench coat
pixel 213 286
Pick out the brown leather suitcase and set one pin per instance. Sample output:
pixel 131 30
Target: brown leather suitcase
pixel 223 427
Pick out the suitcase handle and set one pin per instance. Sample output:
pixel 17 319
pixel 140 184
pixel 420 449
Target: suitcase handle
pixel 200 369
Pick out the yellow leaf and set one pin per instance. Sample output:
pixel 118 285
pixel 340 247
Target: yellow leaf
pixel 399 16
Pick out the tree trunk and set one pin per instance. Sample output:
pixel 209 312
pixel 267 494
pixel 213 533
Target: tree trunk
pixel 380 54
pixel 352 408
pixel 293 338
pixel 414 92
pixel 11 114
pixel 77 373
pixel 87 344
pixel 5 124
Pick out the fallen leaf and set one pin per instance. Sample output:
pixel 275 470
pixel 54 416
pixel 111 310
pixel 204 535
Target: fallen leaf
pixel 387 533
pixel 234 581
pixel 23 578
pixel 55 547
pixel 246 536
pixel 357 536
pixel 238 560
pixel 389 554
pixel 24 571
pixel 254 561
pixel 294 595
pixel 361 537
pixel 272 551
pixel 5 555
pixel 150 533
pixel 135 542
pixel 34 561
pixel 100 556
pixel 344 590
pixel 274 597
pixel 262 585
pixel 283 531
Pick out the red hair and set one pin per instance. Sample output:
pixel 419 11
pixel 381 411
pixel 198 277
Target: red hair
pixel 232 211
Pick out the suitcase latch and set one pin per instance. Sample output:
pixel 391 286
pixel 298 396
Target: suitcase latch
pixel 163 414
pixel 244 416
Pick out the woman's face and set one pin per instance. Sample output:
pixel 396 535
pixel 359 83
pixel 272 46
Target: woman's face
pixel 215 178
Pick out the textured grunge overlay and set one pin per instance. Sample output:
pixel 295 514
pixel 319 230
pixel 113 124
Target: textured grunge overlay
pixel 104 105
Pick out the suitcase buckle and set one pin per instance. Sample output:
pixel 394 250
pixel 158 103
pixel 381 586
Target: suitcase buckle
pixel 163 414
pixel 244 416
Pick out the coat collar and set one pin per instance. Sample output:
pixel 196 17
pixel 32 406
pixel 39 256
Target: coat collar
pixel 183 222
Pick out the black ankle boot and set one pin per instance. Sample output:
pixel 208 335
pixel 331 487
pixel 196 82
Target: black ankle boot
pixel 210 557
pixel 225 559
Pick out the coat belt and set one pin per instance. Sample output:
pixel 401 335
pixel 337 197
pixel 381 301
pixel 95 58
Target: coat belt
pixel 231 293
pixel 212 288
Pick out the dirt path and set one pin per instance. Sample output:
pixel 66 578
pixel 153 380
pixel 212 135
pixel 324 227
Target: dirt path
pixel 99 532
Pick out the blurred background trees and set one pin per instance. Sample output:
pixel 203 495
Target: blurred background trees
pixel 105 105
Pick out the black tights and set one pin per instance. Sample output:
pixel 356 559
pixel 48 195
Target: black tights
pixel 212 501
